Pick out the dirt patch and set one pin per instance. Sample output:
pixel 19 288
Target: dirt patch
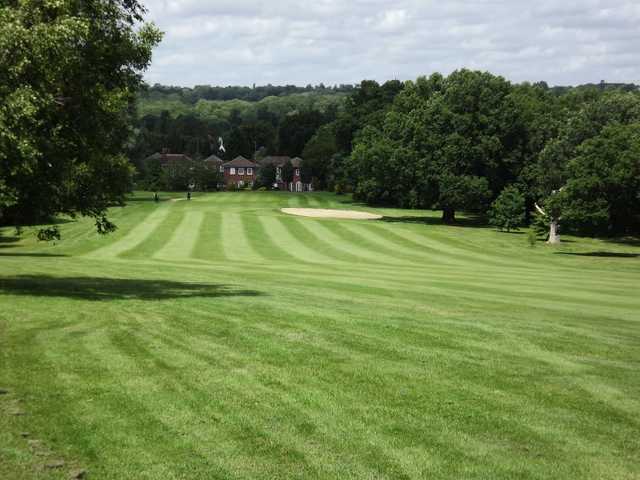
pixel 325 213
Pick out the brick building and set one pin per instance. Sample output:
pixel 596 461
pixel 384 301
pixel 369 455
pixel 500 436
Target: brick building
pixel 296 185
pixel 240 172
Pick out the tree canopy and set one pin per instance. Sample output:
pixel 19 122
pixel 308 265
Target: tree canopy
pixel 70 74
pixel 457 142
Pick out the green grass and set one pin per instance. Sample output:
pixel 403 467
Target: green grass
pixel 220 338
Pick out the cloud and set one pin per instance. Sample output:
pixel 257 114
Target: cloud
pixel 243 42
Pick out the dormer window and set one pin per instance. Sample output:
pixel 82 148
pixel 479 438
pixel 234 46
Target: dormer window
pixel 241 171
pixel 297 172
pixel 232 171
pixel 249 171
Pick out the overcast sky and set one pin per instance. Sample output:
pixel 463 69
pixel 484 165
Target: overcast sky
pixel 241 42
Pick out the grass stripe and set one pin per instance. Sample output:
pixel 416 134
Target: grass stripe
pixel 209 243
pixel 136 236
pixel 158 238
pixel 330 233
pixel 289 234
pixel 235 244
pixel 184 238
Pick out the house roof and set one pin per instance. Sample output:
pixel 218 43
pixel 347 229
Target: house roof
pixel 296 162
pixel 241 162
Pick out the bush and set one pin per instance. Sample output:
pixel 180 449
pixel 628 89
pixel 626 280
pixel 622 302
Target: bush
pixel 532 237
pixel 508 211
pixel 232 187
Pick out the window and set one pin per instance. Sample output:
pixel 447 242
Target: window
pixel 241 171
pixel 249 171
pixel 232 171
pixel 297 172
pixel 221 169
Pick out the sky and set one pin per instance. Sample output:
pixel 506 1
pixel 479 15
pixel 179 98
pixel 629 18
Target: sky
pixel 242 42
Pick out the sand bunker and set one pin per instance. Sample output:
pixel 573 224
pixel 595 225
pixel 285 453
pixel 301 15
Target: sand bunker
pixel 324 213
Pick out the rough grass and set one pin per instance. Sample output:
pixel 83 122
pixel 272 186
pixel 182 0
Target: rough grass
pixel 220 338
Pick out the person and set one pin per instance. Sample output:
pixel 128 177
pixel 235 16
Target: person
pixel 155 197
pixel 189 195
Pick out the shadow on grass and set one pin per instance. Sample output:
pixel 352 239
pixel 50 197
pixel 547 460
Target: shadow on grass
pixel 602 254
pixel 629 241
pixel 38 255
pixel 475 222
pixel 102 289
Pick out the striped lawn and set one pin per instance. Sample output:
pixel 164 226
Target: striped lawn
pixel 220 338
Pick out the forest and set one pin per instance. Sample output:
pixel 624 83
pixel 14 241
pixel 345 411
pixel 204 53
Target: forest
pixel 471 141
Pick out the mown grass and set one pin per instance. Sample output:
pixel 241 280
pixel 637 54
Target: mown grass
pixel 219 338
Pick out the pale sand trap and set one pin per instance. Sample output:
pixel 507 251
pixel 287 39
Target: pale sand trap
pixel 324 213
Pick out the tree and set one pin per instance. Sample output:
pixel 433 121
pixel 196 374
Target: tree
pixel 602 193
pixel 508 210
pixel 249 137
pixel 267 176
pixel 461 192
pixel 473 131
pixel 296 129
pixel 179 174
pixel 66 111
pixel 287 173
pixel 452 143
pixel 206 177
pixel 155 178
pixel 592 114
pixel 317 155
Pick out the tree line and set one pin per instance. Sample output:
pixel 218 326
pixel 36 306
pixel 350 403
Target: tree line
pixel 159 92
pixel 474 142
pixel 277 125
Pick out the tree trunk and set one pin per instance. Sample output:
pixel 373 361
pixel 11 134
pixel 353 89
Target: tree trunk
pixel 554 236
pixel 448 215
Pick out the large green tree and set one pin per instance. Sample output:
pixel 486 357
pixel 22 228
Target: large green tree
pixel 559 164
pixel 602 194
pixel 452 143
pixel 69 73
pixel 317 156
pixel 296 129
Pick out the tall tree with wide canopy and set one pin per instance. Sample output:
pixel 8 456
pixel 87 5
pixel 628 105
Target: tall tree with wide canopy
pixel 563 159
pixel 602 194
pixel 448 142
pixel 69 73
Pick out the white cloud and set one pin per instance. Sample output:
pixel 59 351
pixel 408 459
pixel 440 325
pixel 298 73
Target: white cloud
pixel 344 41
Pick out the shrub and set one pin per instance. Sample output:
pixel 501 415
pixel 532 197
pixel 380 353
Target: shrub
pixel 508 211
pixel 532 237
